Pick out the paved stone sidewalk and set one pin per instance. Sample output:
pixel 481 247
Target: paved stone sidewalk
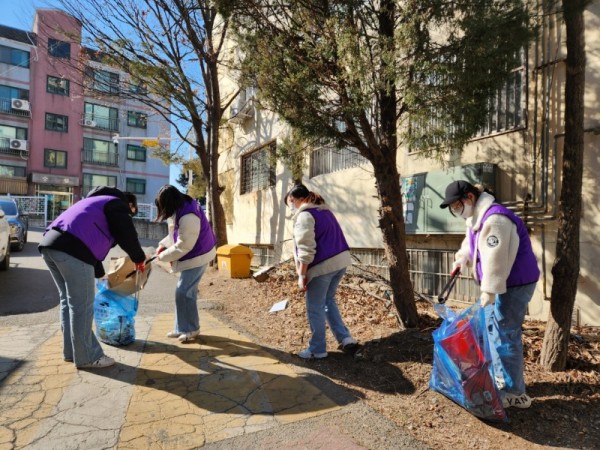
pixel 220 392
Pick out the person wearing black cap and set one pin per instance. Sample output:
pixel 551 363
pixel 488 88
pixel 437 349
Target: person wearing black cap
pixel 498 247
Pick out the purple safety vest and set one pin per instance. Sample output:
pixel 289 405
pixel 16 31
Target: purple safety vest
pixel 86 221
pixel 206 239
pixel 328 235
pixel 525 269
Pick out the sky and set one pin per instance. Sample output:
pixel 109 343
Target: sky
pixel 20 13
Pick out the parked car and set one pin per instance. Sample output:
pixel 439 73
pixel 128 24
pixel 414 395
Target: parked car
pixel 19 222
pixel 4 242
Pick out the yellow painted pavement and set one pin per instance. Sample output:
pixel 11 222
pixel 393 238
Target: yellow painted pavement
pixel 220 386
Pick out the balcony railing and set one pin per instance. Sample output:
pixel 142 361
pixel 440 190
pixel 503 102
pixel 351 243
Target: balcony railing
pixel 6 107
pixel 6 149
pixel 101 158
pixel 100 122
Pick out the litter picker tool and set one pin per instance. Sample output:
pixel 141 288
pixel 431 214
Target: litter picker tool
pixel 133 272
pixel 443 296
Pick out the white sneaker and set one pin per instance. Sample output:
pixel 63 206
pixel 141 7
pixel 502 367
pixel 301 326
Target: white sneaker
pixel 189 336
pixel 174 334
pixel 103 361
pixel 522 401
pixel 307 354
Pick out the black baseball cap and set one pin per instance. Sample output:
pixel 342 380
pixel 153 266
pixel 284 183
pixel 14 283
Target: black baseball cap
pixel 457 190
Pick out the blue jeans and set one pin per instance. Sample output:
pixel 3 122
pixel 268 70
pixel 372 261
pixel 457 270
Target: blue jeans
pixel 75 282
pixel 186 295
pixel 504 320
pixel 320 307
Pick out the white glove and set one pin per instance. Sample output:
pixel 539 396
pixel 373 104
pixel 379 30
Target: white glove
pixel 459 264
pixel 487 299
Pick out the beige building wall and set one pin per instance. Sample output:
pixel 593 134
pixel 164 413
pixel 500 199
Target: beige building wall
pixel 528 162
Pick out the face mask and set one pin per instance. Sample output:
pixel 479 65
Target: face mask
pixel 293 208
pixel 467 210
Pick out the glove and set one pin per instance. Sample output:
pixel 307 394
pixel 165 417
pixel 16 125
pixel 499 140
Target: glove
pixel 141 266
pixel 302 282
pixel 459 264
pixel 160 249
pixel 487 299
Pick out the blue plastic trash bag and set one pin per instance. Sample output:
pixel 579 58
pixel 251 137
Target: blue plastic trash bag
pixel 462 363
pixel 114 316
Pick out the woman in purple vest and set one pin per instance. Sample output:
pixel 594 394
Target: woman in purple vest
pixel 189 247
pixel 322 256
pixel 73 248
pixel 498 247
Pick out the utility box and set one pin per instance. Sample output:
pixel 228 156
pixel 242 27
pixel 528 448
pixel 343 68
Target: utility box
pixel 234 260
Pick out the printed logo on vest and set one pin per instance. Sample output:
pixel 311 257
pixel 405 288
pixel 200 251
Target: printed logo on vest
pixel 492 241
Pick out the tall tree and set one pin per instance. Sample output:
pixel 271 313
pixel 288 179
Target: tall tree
pixel 173 47
pixel 374 74
pixel 565 271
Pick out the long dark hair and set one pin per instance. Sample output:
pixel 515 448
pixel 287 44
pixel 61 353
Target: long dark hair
pixel 168 200
pixel 301 192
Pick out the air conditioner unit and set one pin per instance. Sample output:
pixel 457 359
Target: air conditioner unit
pixel 18 144
pixel 16 103
pixel 89 123
pixel 240 115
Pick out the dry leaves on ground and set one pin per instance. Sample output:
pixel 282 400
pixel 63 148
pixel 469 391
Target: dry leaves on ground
pixel 391 370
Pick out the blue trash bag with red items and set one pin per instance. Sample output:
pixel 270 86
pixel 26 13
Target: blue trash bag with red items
pixel 114 315
pixel 462 369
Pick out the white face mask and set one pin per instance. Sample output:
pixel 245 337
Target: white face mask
pixel 467 210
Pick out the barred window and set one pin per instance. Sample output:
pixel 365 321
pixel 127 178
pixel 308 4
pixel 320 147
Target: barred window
pixel 328 159
pixel 258 169
pixel 506 108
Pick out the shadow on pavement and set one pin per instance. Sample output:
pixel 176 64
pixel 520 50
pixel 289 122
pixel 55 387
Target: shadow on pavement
pixel 231 376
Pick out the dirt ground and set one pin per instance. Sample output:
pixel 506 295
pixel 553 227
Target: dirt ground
pixel 391 370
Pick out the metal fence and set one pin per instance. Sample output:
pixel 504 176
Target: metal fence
pixel 36 207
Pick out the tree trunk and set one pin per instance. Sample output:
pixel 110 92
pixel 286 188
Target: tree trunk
pixel 391 222
pixel 565 271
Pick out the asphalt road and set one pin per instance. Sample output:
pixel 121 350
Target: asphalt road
pixel 28 295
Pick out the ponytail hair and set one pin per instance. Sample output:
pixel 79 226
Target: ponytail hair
pixel 301 192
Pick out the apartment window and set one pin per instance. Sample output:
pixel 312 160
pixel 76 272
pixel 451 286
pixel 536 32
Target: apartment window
pixel 6 131
pixel 55 85
pixel 96 151
pixel 138 87
pixel 136 152
pixel 103 81
pixel 136 186
pixel 55 158
pixel 258 171
pixel 12 171
pixel 10 92
pixel 506 108
pixel 91 181
pixel 56 122
pixel 328 159
pixel 14 56
pixel 59 49
pixel 103 117
pixel 137 119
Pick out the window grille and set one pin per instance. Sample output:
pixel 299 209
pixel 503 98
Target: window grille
pixel 327 159
pixel 258 171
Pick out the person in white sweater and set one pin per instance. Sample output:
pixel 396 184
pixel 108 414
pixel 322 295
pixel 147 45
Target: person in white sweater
pixel 189 247
pixel 322 256
pixel 498 248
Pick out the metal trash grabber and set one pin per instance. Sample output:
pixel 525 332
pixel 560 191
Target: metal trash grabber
pixel 443 296
pixel 133 272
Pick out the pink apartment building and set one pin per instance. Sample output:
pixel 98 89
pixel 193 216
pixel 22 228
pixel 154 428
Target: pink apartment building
pixel 59 113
